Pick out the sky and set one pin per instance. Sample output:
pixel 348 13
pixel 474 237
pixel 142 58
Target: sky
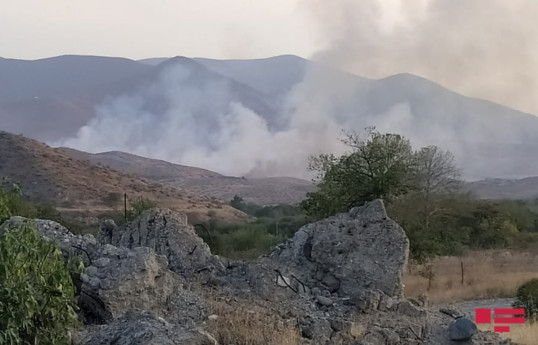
pixel 480 48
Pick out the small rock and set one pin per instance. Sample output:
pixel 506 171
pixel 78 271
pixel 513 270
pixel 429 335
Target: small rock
pixel 282 281
pixel 212 317
pixel 95 283
pixel 407 308
pixel 102 262
pixel 91 270
pixel 324 300
pixel 462 329
pixel 451 311
pixel 84 277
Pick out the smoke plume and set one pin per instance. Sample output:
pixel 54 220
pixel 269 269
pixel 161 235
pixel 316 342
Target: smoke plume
pixel 480 48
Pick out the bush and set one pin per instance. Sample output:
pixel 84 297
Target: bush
pixel 37 295
pixel 527 297
pixel 247 241
pixel 14 203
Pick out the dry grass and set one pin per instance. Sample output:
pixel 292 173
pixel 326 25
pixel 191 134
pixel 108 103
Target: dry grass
pixel 245 323
pixel 526 334
pixel 487 274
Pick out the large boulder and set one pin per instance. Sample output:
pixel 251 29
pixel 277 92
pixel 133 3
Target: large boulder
pixel 350 252
pixel 123 280
pixel 167 233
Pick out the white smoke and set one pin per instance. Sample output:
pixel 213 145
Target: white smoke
pixel 201 127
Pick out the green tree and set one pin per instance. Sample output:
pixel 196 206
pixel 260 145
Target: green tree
pixel 37 295
pixel 379 167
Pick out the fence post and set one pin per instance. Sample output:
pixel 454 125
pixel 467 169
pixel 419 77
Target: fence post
pixel 125 206
pixel 462 273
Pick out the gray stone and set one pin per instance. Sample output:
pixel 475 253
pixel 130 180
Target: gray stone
pixel 102 262
pixel 167 233
pixel 324 300
pixel 362 249
pixel 91 270
pixel 409 309
pixel 144 329
pixel 462 329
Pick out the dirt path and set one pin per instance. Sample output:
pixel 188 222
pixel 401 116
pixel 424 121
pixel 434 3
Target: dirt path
pixel 468 307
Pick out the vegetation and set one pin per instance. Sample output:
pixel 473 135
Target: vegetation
pixel 527 297
pixel 14 203
pixel 422 192
pixel 37 295
pixel 273 225
pixel 379 167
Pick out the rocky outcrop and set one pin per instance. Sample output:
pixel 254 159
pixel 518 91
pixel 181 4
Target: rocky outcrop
pixel 351 252
pixel 120 280
pixel 337 281
pixel 168 233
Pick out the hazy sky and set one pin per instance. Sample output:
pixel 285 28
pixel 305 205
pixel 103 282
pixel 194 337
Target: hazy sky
pixel 31 29
pixel 481 48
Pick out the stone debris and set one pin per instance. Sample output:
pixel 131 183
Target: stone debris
pixel 350 252
pixel 462 329
pixel 339 281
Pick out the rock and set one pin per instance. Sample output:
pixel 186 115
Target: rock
pixel 91 270
pixel 144 329
pixel 138 280
pixel 409 309
pixel 72 245
pixel 102 262
pixel 283 281
pixel 212 317
pixel 168 233
pixel 324 300
pixel 451 311
pixel 362 249
pixel 367 301
pixel 462 329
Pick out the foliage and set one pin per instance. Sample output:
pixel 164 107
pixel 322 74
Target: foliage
pixel 138 206
pixel 527 297
pixel 422 193
pixel 379 167
pixel 246 241
pixel 461 223
pixel 14 203
pixel 36 291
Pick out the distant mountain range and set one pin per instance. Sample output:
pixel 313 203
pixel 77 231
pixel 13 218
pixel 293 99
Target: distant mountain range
pixel 53 98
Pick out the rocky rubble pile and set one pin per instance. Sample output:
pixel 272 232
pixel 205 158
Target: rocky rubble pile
pixel 338 281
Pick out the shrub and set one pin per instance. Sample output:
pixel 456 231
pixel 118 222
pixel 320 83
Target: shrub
pixel 527 297
pixel 37 295
pixel 246 241
pixel 14 203
pixel 138 206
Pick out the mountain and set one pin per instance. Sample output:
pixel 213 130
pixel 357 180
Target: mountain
pixel 53 98
pixel 80 188
pixel 520 189
pixel 261 191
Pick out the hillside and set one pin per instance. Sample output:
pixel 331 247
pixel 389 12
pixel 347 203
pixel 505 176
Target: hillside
pixel 520 189
pixel 79 188
pixel 51 99
pixel 262 191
